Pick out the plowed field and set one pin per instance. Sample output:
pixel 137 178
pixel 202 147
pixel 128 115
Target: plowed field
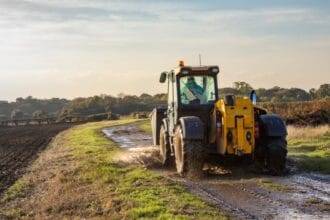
pixel 19 146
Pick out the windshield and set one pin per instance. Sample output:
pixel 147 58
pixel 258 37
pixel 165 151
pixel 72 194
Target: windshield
pixel 197 90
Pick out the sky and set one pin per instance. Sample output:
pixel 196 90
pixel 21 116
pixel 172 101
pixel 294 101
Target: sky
pixel 81 48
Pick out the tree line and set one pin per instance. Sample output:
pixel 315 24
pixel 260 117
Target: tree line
pixel 278 94
pixel 31 107
pixel 126 104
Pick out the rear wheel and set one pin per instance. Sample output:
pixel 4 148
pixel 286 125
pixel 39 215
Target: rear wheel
pixel 164 148
pixel 189 155
pixel 276 156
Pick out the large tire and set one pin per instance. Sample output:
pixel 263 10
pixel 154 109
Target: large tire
pixel 276 156
pixel 189 155
pixel 164 148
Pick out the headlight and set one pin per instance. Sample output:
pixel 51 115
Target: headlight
pixel 215 70
pixel 184 72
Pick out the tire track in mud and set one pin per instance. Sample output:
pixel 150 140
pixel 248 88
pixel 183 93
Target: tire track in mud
pixel 249 199
pixel 263 202
pixel 243 201
pixel 212 196
pixel 309 181
pixel 242 195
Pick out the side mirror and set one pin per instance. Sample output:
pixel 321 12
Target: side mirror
pixel 163 76
pixel 253 97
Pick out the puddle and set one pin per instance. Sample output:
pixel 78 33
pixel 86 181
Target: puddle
pixel 309 186
pixel 128 137
pixel 137 145
pixel 293 214
pixel 320 184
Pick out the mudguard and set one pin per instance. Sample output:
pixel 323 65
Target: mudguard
pixel 272 126
pixel 192 128
pixel 158 114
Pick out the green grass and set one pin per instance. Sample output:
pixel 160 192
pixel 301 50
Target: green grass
pixel 19 189
pixel 138 193
pixel 311 154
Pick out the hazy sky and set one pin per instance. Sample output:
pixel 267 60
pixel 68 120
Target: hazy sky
pixel 82 47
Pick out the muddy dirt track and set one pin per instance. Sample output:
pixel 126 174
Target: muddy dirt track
pixel 236 190
pixel 19 146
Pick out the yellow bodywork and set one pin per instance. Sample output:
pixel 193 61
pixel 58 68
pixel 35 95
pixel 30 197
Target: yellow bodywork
pixel 237 120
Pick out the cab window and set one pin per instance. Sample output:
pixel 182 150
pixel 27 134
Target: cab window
pixel 197 90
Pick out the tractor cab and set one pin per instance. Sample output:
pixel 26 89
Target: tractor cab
pixel 192 86
pixel 192 91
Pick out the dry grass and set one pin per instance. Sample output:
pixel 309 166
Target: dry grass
pixel 310 146
pixel 307 132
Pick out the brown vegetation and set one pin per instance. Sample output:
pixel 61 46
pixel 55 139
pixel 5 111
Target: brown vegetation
pixel 302 113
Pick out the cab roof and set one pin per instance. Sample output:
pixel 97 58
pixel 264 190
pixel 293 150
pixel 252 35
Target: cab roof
pixel 186 70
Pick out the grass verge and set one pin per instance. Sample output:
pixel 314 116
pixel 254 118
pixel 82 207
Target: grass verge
pixel 139 193
pixel 87 182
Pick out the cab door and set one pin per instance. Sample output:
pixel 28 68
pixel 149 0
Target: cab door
pixel 172 103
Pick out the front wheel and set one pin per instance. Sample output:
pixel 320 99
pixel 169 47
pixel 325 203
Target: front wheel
pixel 189 155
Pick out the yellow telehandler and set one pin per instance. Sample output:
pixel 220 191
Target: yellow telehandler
pixel 197 123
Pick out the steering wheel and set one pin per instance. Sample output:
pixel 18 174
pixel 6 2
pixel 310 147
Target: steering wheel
pixel 195 102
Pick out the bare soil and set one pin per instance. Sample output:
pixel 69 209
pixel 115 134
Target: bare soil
pixel 19 147
pixel 234 188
